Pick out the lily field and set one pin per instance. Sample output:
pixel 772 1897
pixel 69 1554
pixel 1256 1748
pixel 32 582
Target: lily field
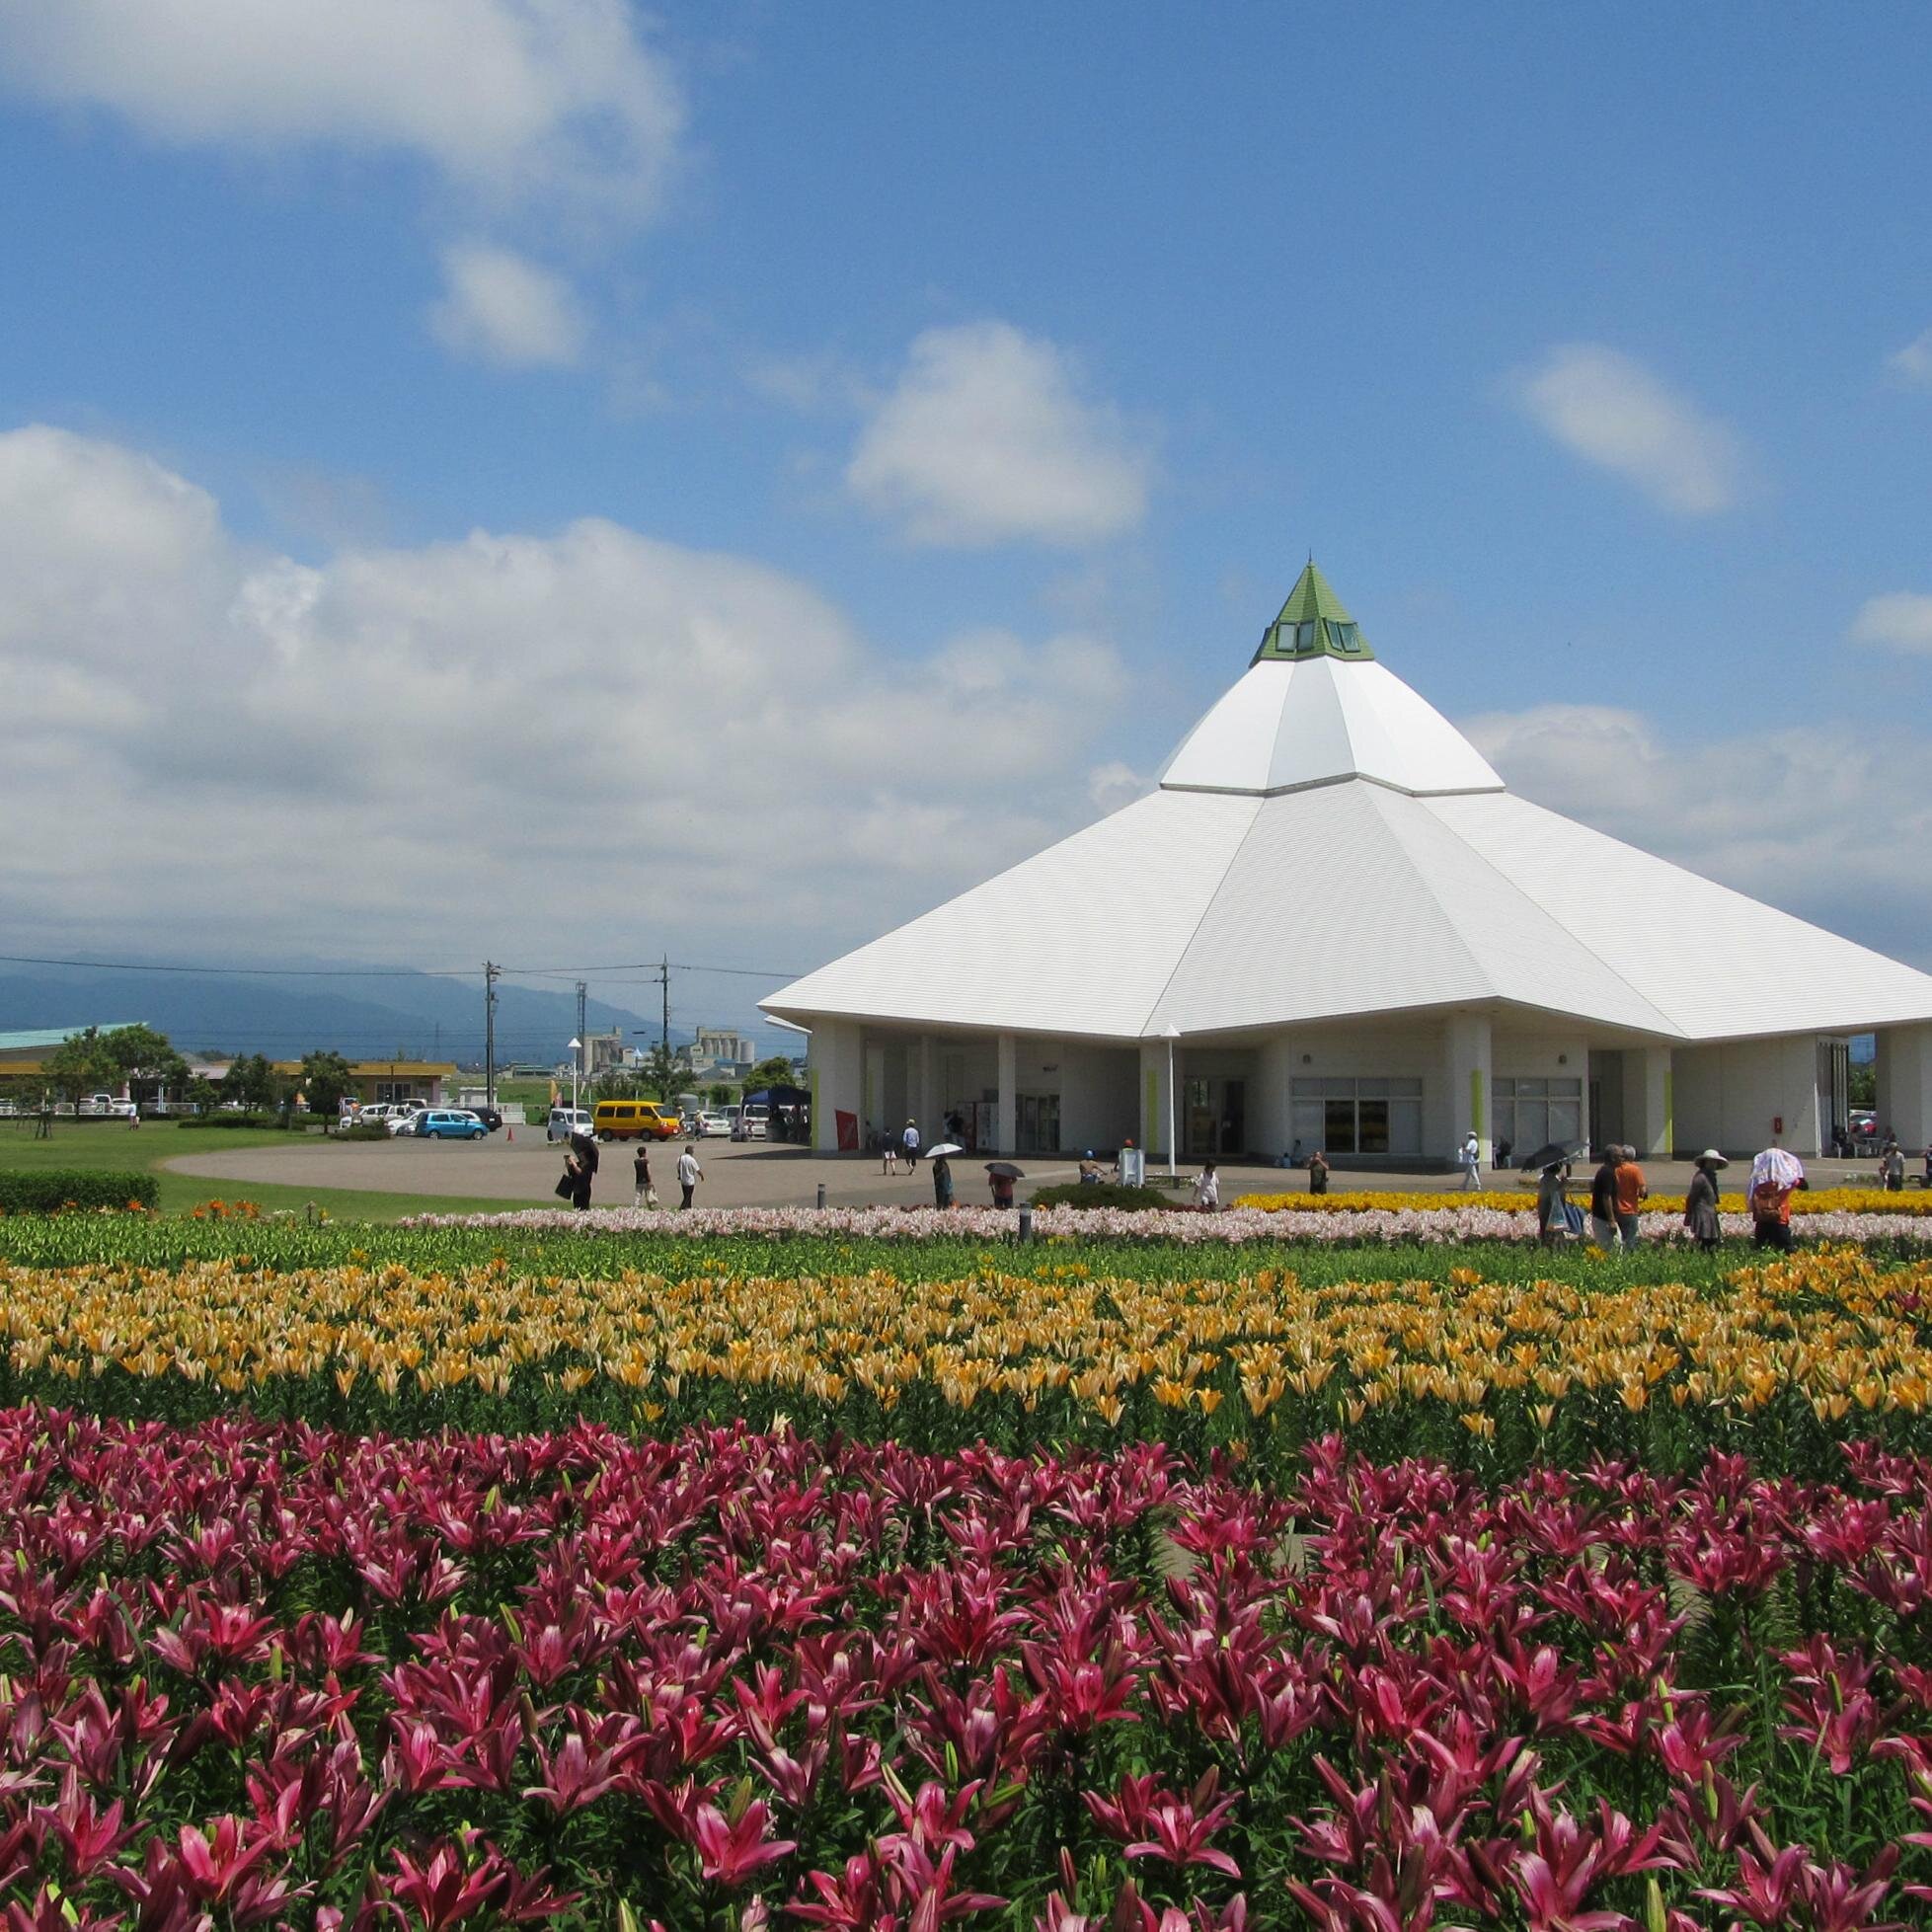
pixel 1341 1567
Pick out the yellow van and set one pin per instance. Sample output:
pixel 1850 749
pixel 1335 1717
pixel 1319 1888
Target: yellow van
pixel 633 1120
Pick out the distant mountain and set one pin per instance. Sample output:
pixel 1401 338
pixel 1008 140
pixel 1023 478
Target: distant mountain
pixel 411 1016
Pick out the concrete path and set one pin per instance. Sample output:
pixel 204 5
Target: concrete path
pixel 758 1175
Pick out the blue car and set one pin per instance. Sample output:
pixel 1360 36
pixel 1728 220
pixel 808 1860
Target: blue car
pixel 447 1125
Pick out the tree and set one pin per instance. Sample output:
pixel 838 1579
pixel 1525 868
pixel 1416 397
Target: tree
pixel 667 1071
pixel 619 1083
pixel 722 1094
pixel 325 1080
pixel 773 1072
pixel 141 1054
pixel 251 1081
pixel 81 1065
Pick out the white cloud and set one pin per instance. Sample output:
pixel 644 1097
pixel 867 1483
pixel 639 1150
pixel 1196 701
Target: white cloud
pixel 501 741
pixel 519 100
pixel 498 307
pixel 1913 362
pixel 1901 619
pixel 987 438
pixel 1813 819
pixel 1611 411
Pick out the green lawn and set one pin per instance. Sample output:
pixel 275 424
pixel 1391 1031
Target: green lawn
pixel 96 1146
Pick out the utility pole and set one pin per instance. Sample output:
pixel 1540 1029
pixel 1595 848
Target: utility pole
pixel 664 982
pixel 581 1034
pixel 489 974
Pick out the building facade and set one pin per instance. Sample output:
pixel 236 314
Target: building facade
pixel 1331 925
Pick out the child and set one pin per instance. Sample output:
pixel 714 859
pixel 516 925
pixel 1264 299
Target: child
pixel 646 1195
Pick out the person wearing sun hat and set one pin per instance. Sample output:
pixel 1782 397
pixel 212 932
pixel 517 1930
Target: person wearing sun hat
pixel 1701 1203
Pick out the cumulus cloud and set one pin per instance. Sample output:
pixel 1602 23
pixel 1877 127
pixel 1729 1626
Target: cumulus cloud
pixel 501 741
pixel 1913 362
pixel 1812 819
pixel 1901 619
pixel 987 436
pixel 498 307
pixel 1609 409
pixel 518 99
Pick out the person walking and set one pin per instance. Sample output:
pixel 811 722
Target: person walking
pixel 1208 1189
pixel 1002 1185
pixel 941 1180
pixel 910 1141
pixel 1775 1176
pixel 575 1187
pixel 1632 1190
pixel 1701 1202
pixel 1318 1172
pixel 689 1173
pixel 1603 1229
pixel 1894 1168
pixel 889 1153
pixel 1552 1222
pixel 1471 1157
pixel 644 1196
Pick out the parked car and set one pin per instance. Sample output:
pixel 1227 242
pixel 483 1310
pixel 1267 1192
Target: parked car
pixel 567 1120
pixel 714 1126
pixel 633 1120
pixel 445 1123
pixel 491 1118
pixel 754 1121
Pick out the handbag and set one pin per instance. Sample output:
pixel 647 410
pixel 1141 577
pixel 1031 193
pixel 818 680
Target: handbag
pixel 651 1196
pixel 566 1187
pixel 1572 1220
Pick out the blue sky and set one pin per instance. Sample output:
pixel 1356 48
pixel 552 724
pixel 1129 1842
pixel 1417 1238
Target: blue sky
pixel 954 393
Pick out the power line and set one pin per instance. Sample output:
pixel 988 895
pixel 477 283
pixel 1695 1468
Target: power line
pixel 252 972
pixel 652 968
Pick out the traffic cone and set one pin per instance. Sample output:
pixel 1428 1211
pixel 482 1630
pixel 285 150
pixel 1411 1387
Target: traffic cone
pixel 509 1134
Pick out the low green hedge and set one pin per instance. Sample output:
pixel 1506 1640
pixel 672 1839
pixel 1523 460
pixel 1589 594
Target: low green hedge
pixel 46 1190
pixel 370 1131
pixel 283 1122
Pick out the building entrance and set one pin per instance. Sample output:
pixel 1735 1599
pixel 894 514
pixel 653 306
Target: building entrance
pixel 1214 1118
pixel 1037 1122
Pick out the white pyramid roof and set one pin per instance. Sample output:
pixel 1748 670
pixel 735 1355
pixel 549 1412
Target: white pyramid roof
pixel 1324 843
pixel 1287 724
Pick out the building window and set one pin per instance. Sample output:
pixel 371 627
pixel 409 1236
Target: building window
pixel 1359 1117
pixel 1529 1113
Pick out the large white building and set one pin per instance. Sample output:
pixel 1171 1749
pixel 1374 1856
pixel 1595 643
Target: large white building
pixel 1333 925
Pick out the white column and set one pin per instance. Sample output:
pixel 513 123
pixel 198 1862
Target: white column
pixel 833 1071
pixel 1466 1067
pixel 924 1108
pixel 1004 1131
pixel 1647 1102
pixel 1905 1070
pixel 1157 1104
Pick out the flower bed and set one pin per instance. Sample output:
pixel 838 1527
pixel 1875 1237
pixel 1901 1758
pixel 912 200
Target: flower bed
pixel 1782 1357
pixel 1448 1220
pixel 1364 1201
pixel 280 1675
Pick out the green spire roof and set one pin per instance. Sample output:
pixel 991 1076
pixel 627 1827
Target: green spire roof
pixel 1314 623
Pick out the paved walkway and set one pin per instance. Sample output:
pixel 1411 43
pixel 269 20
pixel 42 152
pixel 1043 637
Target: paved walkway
pixel 758 1175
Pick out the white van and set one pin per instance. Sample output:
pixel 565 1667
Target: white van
pixel 755 1120
pixel 567 1120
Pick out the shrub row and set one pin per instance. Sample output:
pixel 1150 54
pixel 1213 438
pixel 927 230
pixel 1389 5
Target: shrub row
pixel 283 1122
pixel 47 1191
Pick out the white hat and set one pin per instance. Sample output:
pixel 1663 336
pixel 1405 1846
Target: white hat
pixel 1713 1157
